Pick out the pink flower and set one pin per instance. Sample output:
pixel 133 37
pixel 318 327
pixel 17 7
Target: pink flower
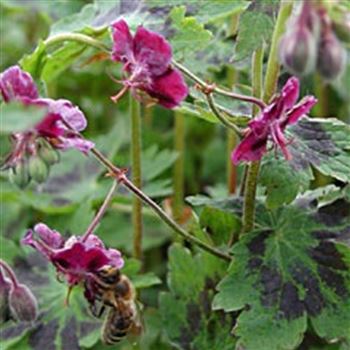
pixel 271 123
pixel 74 258
pixel 147 60
pixel 17 85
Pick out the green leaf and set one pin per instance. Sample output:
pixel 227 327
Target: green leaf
pixel 322 143
pixel 281 182
pixel 220 225
pixel 288 272
pixel 186 314
pixel 34 62
pixel 255 28
pixel 189 33
pixel 15 117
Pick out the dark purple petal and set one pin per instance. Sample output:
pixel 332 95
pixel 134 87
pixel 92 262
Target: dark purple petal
pixel 49 127
pixel 169 89
pixel 302 108
pixel 151 49
pixel 16 83
pixel 279 139
pixel 52 238
pixel 290 92
pixel 28 239
pixel 122 42
pixel 77 260
pixel 250 149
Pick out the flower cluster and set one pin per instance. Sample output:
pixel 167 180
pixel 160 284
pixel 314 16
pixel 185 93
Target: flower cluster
pixel 34 150
pixel 310 42
pixel 271 123
pixel 75 258
pixel 147 61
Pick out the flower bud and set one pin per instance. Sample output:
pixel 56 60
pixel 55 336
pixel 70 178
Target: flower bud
pixel 38 169
pixel 19 174
pixel 331 56
pixel 49 155
pixel 5 286
pixel 298 51
pixel 23 304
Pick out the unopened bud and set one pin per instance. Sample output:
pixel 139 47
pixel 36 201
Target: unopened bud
pixel 298 51
pixel 5 286
pixel 19 174
pixel 23 304
pixel 331 57
pixel 38 169
pixel 49 155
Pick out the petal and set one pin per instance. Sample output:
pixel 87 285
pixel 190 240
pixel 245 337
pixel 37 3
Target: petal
pixel 52 238
pixel 49 127
pixel 169 89
pixel 290 92
pixel 93 241
pixel 75 142
pixel 302 108
pixel 28 239
pixel 122 42
pixel 115 258
pixel 250 149
pixel 16 83
pixel 152 50
pixel 69 113
pixel 279 139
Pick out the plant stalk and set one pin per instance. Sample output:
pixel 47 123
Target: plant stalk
pixel 179 167
pixel 271 79
pixel 136 175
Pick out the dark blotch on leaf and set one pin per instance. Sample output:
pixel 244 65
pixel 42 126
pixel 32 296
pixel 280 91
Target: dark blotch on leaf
pixel 271 281
pixel 44 336
pixel 13 331
pixel 194 317
pixel 327 254
pixel 334 214
pixel 290 304
pixel 254 263
pixel 333 280
pixel 69 335
pixel 257 245
pixel 313 301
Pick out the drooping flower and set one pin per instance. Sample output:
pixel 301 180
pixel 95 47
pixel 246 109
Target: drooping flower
pixel 48 135
pixel 75 258
pixel 147 61
pixel 272 122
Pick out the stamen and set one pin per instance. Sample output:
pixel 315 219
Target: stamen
pixel 120 94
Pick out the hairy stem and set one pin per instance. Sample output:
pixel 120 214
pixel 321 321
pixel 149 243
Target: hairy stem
pixel 179 167
pixel 271 79
pixel 9 273
pixel 273 66
pixel 221 118
pixel 81 38
pixel 136 175
pixel 100 212
pixel 219 91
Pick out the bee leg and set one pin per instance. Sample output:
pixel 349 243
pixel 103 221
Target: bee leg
pixel 97 312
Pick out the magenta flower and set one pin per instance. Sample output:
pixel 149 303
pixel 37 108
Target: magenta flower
pixel 76 258
pixel 147 60
pixel 271 123
pixel 17 85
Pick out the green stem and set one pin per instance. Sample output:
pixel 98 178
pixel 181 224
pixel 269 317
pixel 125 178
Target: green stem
pixel 221 118
pixel 81 38
pixel 179 177
pixel 136 175
pixel 273 66
pixel 212 88
pixel 271 79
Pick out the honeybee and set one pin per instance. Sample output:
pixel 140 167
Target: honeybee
pixel 116 293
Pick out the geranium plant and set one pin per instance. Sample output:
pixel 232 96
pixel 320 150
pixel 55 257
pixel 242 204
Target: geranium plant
pixel 210 210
